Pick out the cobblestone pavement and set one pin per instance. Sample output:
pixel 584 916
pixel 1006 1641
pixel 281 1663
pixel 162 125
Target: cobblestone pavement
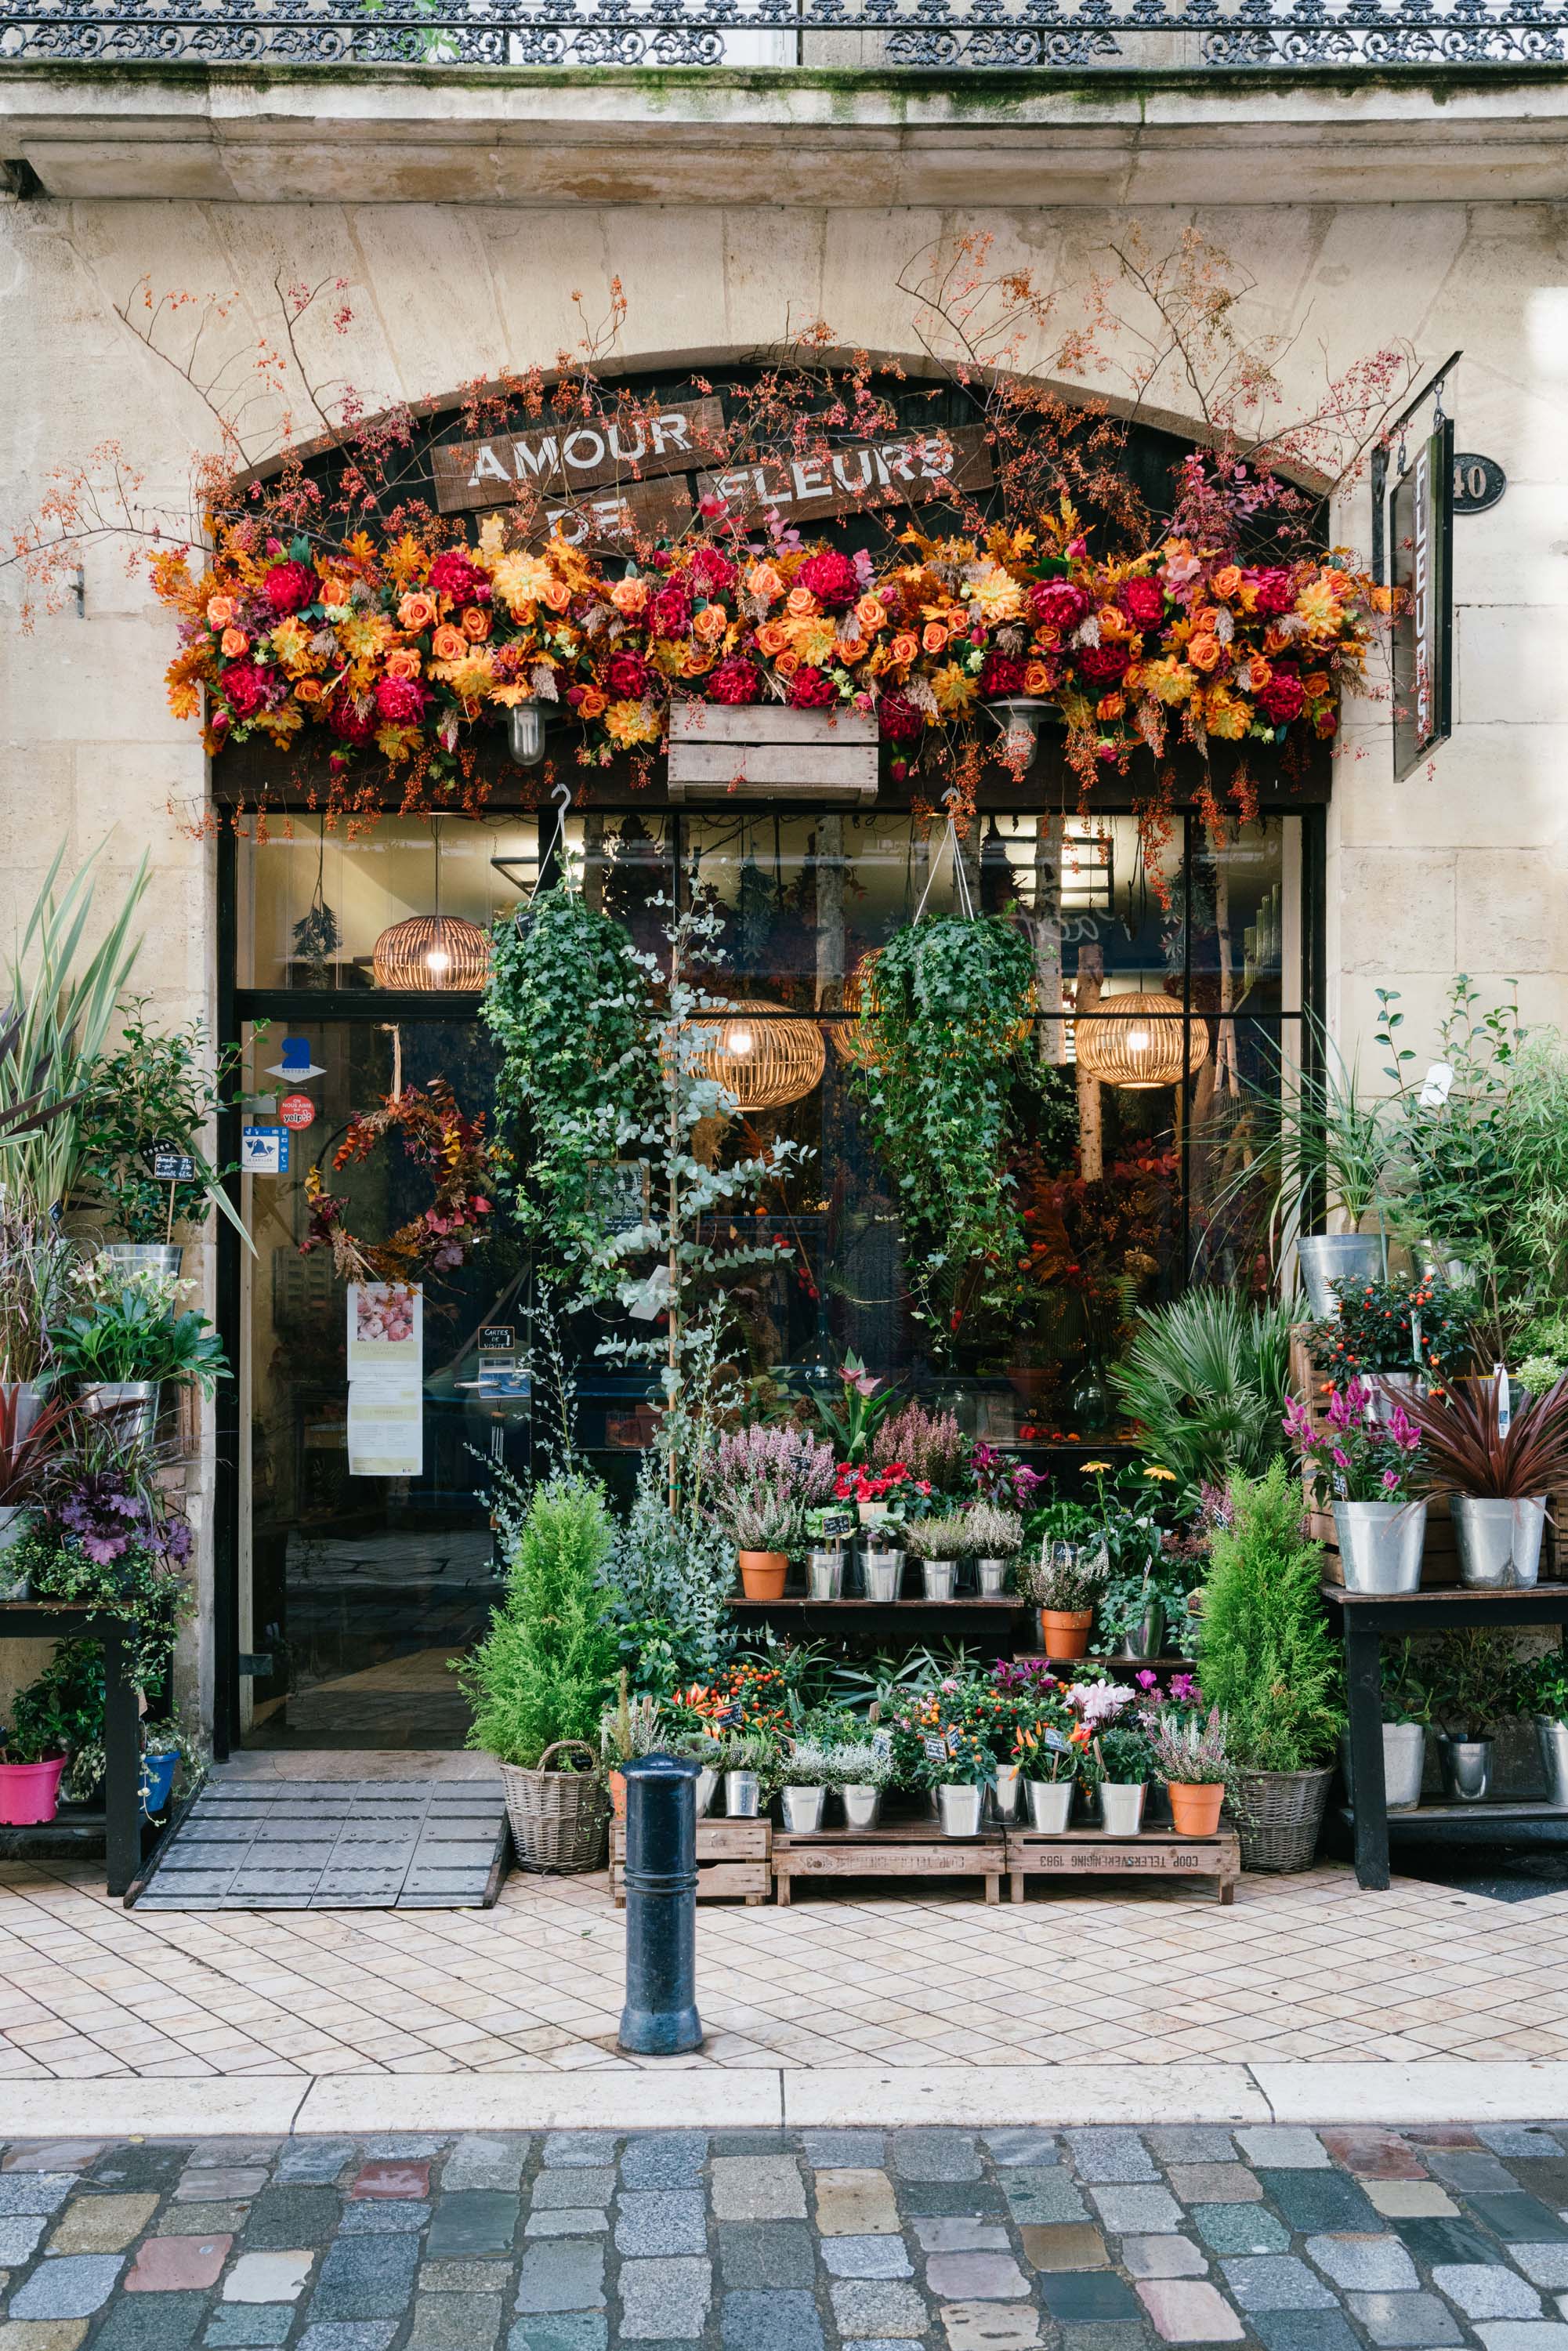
pixel 1094 2240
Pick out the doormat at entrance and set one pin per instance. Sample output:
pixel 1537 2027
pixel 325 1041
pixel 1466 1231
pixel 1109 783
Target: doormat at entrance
pixel 332 1844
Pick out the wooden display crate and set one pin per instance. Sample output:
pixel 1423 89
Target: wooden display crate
pixel 1154 1853
pixel 1439 1559
pixel 760 752
pixel 733 1861
pixel 898 1849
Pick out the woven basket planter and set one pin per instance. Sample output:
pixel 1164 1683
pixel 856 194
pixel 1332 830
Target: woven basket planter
pixel 559 1819
pixel 1278 1816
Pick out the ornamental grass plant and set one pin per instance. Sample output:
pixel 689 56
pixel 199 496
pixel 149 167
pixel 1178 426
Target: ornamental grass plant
pixel 1466 1451
pixel 1265 1656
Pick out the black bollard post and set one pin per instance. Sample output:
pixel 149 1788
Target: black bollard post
pixel 660 2018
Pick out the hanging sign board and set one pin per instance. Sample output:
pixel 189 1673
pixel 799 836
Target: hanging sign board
pixel 569 457
pixel 1421 535
pixel 910 470
pixel 617 517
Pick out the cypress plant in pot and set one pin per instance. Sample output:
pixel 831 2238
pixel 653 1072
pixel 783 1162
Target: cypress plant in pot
pixel 540 1679
pixel 1267 1660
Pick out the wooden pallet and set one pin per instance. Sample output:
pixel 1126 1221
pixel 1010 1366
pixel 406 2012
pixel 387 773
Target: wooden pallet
pixel 733 1861
pixel 1154 1853
pixel 898 1849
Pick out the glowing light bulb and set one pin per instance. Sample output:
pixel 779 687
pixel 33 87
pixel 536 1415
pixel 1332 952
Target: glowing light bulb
pixel 1137 1041
pixel 740 1040
pixel 438 960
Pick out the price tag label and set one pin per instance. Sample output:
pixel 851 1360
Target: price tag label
pixel 936 1748
pixel 172 1167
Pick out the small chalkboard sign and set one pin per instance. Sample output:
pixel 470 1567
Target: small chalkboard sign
pixel 497 1339
pixel 170 1167
pixel 936 1747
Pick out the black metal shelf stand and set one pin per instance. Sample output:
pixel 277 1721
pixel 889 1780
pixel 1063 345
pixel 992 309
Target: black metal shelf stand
pixel 1367 1618
pixel 61 1620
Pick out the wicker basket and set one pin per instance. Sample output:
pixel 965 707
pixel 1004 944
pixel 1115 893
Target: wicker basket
pixel 558 1818
pixel 1278 1816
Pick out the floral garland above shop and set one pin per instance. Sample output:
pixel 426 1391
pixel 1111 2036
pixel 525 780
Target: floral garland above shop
pixel 409 645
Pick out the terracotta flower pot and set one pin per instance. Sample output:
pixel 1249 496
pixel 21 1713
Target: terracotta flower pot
pixel 1195 1806
pixel 30 1793
pixel 1064 1632
pixel 618 1795
pixel 762 1574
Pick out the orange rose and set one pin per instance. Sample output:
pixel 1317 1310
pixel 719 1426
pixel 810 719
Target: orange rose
pixel 558 596
pixel 1255 676
pixel 1206 623
pixel 336 592
pixel 710 623
pixel 476 625
pixel 771 640
pixel 1317 680
pixel 766 582
pixel 1274 640
pixel 799 603
pixel 449 644
pixel 629 595
pixel 788 663
pixel 694 662
pixel 846 655
pixel 1226 582
pixel 1111 706
pixel 234 641
pixel 307 690
pixel 221 611
pixel 417 611
pixel 906 645
pixel 594 704
pixel 1204 652
pixel 933 637
pixel 871 614
pixel 403 662
pixel 1112 620
pixel 1036 678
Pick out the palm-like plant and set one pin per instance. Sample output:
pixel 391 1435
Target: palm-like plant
pixel 1207 1378
pixel 1465 1451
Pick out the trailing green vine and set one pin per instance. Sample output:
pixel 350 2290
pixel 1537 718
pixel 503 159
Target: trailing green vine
pixel 944 1042
pixel 569 1002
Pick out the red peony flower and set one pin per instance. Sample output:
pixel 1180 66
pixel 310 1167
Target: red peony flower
pixel 898 718
pixel 1058 604
pixel 710 573
pixel 347 719
pixel 999 674
pixel 831 579
pixel 1275 590
pixel 288 587
pixel 735 680
pixel 811 689
pixel 628 676
pixel 1144 602
pixel 246 689
pixel 400 700
pixel 451 574
pixel 1281 700
pixel 670 613
pixel 1105 665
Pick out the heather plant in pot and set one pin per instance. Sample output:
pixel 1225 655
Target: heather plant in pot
pixel 765 1482
pixel 1191 1752
pixel 1497 1477
pixel 1064 1580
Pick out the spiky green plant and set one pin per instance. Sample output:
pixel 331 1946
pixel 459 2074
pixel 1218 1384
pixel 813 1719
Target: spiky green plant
pixel 1207 1378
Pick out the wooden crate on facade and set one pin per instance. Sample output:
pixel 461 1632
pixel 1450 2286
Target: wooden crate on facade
pixel 733 1861
pixel 1439 1558
pixel 899 1849
pixel 758 751
pixel 1154 1853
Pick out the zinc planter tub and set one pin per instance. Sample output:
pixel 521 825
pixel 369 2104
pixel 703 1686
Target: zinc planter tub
pixel 1005 1794
pixel 1466 1765
pixel 1380 1545
pixel 825 1574
pixel 1498 1540
pixel 993 1577
pixel 940 1575
pixel 959 1810
pixel 883 1573
pixel 132 1405
pixel 707 1788
pixel 1049 1805
pixel 863 1807
pixel 803 1809
pixel 742 1795
pixel 1122 1806
pixel 1327 1257
pixel 1404 1762
pixel 1551 1738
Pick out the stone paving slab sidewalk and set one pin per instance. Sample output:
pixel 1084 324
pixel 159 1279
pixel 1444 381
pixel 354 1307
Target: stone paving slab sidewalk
pixel 1436 2239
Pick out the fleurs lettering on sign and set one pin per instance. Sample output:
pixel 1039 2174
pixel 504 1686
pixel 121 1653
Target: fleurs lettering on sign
pixel 908 470
pixel 670 440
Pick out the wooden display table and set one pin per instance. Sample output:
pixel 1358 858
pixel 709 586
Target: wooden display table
pixel 732 1861
pixel 898 1849
pixel 1153 1852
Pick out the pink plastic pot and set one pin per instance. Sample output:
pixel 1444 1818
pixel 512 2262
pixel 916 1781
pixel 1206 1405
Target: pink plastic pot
pixel 30 1793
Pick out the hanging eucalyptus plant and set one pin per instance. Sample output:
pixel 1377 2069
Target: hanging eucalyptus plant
pixel 944 1044
pixel 571 1004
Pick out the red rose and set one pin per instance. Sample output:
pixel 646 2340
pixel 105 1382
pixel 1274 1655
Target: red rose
pixel 453 575
pixel 898 718
pixel 347 719
pixel 831 579
pixel 1058 604
pixel 1144 602
pixel 400 700
pixel 288 587
pixel 1275 590
pixel 811 689
pixel 670 613
pixel 999 673
pixel 629 677
pixel 735 680
pixel 246 688
pixel 1105 664
pixel 1281 700
pixel 710 573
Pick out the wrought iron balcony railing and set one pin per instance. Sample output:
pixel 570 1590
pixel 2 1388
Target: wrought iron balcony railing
pixel 921 36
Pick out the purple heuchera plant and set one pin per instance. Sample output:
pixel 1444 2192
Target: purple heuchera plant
pixel 103 1517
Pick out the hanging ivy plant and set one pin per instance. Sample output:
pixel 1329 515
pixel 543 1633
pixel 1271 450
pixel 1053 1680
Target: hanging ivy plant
pixel 569 1003
pixel 946 1039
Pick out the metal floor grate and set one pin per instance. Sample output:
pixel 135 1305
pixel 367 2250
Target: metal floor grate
pixel 333 1845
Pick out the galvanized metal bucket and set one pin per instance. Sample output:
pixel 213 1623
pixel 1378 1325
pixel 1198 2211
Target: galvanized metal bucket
pixel 1380 1544
pixel 803 1809
pixel 1551 1738
pixel 1327 1257
pixel 1498 1540
pixel 1049 1805
pixel 959 1810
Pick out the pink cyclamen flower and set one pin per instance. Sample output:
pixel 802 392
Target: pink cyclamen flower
pixel 1391 1480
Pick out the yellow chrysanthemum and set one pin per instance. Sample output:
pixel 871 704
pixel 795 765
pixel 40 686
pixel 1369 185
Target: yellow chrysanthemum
pixel 995 592
pixel 363 635
pixel 1320 607
pixel 954 689
pixel 812 639
pixel 521 580
pixel 1170 679
pixel 291 647
pixel 627 723
pixel 1225 716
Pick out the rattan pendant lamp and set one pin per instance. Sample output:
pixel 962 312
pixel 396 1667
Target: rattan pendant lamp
pixel 432 954
pixel 762 1055
pixel 1135 1042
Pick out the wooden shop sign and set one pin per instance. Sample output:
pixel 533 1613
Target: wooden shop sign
pixel 573 456
pixel 907 470
pixel 616 519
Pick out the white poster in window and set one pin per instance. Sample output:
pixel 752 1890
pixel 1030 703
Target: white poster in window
pixel 386 1328
pixel 386 1426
